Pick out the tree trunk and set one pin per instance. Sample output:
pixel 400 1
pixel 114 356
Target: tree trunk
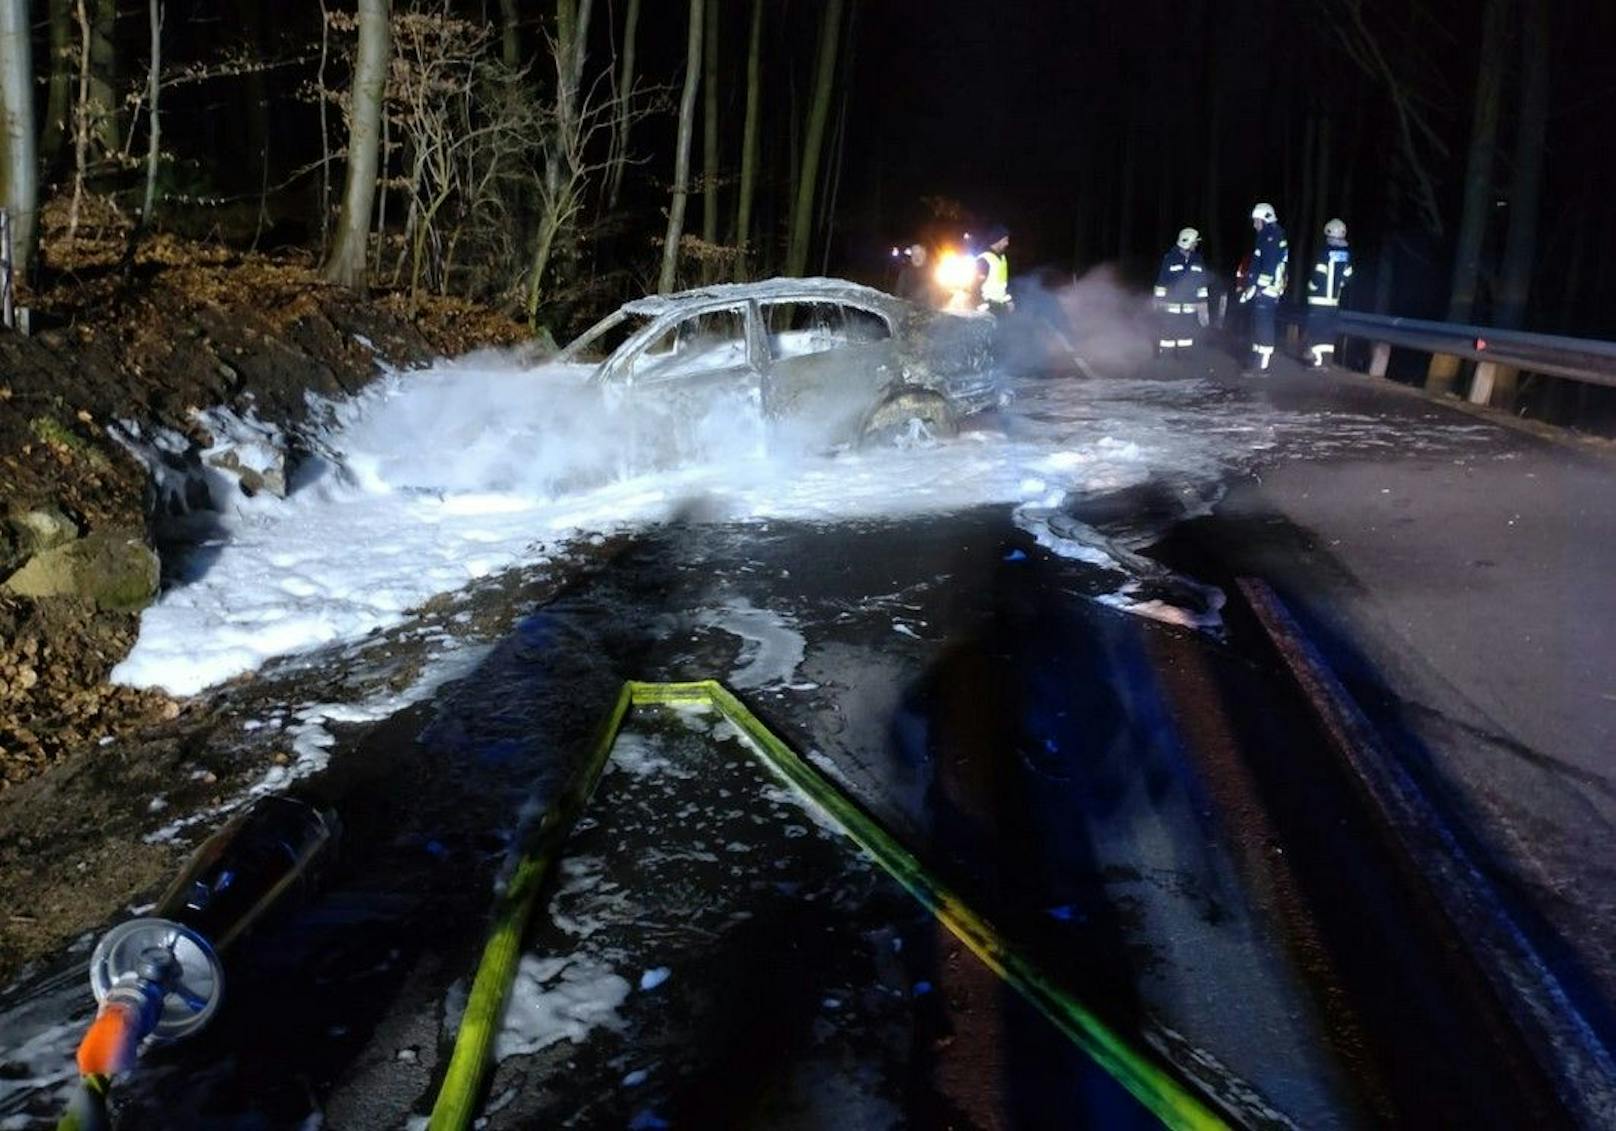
pixel 19 170
pixel 625 94
pixel 154 130
pixel 1125 203
pixel 346 266
pixel 104 75
pixel 681 161
pixel 561 174
pixel 1443 372
pixel 255 91
pixel 1304 238
pixel 59 99
pixel 1210 243
pixel 827 209
pixel 1324 207
pixel 802 212
pixel 749 143
pixel 81 123
pixel 510 36
pixel 709 127
pixel 1520 245
pixel 1478 190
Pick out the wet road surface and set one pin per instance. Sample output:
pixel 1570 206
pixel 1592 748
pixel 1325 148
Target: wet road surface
pixel 1146 809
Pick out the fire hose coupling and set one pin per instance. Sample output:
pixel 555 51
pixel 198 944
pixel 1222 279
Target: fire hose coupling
pixel 152 978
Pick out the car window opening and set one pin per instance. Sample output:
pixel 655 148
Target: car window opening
pixel 799 329
pixel 709 342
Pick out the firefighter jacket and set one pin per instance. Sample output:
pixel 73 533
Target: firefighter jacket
pixel 1181 282
pixel 1330 275
pixel 996 279
pixel 1268 261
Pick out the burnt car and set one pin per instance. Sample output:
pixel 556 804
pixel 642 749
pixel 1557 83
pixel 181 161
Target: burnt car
pixel 827 361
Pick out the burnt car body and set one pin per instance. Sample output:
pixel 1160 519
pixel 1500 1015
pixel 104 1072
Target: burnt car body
pixel 827 361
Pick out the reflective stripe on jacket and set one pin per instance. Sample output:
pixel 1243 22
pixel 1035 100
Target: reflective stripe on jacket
pixel 1330 276
pixel 1268 261
pixel 1182 277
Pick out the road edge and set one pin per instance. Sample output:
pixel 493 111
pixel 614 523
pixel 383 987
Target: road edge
pixel 1579 1067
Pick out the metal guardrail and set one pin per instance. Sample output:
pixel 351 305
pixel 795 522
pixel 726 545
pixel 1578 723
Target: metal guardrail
pixel 1576 359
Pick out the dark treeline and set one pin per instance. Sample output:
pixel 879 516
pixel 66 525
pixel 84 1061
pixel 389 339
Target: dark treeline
pixel 541 153
pixel 1097 130
pixel 523 153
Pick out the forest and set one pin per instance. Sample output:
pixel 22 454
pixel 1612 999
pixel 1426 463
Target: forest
pixel 552 158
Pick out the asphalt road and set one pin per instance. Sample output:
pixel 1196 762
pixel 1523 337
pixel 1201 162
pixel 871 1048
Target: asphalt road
pixel 1149 811
pixel 1467 602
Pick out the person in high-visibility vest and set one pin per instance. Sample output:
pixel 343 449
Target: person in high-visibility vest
pixel 1180 295
pixel 1325 289
pixel 1266 283
pixel 993 273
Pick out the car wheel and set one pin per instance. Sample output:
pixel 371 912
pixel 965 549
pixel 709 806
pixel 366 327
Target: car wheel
pixel 909 417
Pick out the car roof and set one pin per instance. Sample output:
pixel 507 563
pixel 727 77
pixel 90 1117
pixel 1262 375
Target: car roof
pixel 768 290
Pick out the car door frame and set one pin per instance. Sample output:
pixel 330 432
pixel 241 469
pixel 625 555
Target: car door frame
pixel 888 372
pixel 618 369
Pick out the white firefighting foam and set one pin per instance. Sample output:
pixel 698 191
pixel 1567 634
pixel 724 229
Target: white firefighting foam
pixel 431 480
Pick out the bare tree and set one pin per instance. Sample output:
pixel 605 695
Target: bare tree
pixel 681 161
pixel 1478 182
pixel 1213 101
pixel 709 126
pixel 510 34
pixel 465 124
pixel 1520 244
pixel 624 95
pixel 154 130
pixel 81 124
pixel 19 174
pixel 1443 370
pixel 1404 77
pixel 749 142
pixel 346 265
pixel 802 212
pixel 103 92
pixel 59 93
pixel 827 212
pixel 322 92
pixel 255 90
pixel 573 123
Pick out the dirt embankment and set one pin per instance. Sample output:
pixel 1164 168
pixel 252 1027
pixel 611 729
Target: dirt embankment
pixel 190 328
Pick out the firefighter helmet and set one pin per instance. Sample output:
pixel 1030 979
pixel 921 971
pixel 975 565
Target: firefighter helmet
pixel 1188 238
pixel 1265 213
pixel 1336 230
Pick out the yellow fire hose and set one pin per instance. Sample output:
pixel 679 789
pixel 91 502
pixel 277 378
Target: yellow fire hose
pixel 1153 1086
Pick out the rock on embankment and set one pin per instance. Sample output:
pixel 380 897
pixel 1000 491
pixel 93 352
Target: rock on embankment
pixel 129 403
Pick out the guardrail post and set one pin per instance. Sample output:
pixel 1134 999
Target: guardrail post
pixel 1481 386
pixel 1494 384
pixel 1379 358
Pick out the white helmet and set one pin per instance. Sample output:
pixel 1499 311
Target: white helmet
pixel 1265 213
pixel 1336 230
pixel 1188 238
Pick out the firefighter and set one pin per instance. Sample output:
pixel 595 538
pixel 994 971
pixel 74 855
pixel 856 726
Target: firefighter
pixel 1180 295
pixel 1265 284
pixel 1332 271
pixel 993 273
